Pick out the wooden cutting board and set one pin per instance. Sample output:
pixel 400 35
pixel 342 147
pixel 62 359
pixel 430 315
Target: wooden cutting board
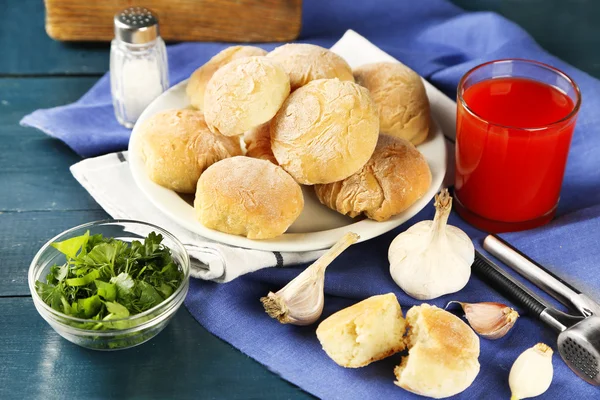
pixel 180 20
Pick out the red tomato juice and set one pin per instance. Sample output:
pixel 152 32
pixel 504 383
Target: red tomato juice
pixel 511 151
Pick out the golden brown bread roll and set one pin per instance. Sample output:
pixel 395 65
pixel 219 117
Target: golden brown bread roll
pixel 325 131
pixel 244 94
pixel 442 354
pixel 395 177
pixel 401 99
pixel 176 146
pixel 365 332
pixel 200 77
pixel 249 197
pixel 307 62
pixel 258 143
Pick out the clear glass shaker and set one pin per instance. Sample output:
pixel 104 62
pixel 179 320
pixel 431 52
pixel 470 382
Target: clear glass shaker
pixel 138 63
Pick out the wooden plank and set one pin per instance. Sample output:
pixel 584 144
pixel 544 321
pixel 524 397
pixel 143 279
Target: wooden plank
pixel 184 361
pixel 27 49
pixel 181 20
pixel 568 29
pixel 22 234
pixel 34 168
pixel 557 25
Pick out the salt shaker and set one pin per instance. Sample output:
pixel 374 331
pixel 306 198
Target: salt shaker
pixel 138 63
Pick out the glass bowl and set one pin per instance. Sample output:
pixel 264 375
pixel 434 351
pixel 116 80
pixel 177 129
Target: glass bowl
pixel 118 333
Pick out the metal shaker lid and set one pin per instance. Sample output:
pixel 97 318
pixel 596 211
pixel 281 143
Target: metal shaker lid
pixel 136 25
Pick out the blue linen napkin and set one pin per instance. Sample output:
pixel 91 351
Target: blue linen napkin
pixel 441 42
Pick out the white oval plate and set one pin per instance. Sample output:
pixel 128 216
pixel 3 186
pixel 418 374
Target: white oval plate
pixel 318 227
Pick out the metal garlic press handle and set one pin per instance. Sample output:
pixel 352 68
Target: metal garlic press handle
pixel 540 276
pixel 514 290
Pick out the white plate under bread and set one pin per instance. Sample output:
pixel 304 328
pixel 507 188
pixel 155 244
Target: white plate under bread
pixel 318 227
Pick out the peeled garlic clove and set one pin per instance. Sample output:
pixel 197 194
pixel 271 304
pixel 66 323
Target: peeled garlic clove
pixel 301 301
pixel 490 320
pixel 531 373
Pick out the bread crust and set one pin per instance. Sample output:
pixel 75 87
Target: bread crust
pixel 401 99
pixel 200 77
pixel 307 62
pixel 442 356
pixel 395 177
pixel 248 197
pixel 258 143
pixel 177 146
pixel 325 131
pixel 244 94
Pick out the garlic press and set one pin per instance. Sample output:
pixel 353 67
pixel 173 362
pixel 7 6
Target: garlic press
pixel 578 333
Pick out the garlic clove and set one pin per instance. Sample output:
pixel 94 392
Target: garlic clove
pixel 489 319
pixel 301 301
pixel 531 373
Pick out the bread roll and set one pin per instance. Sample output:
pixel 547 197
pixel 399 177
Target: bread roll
pixel 249 197
pixel 365 332
pixel 258 143
pixel 442 354
pixel 176 146
pixel 395 177
pixel 244 94
pixel 307 62
pixel 325 131
pixel 198 80
pixel 401 99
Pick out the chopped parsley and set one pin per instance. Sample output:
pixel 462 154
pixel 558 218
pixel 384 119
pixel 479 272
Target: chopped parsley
pixel 105 279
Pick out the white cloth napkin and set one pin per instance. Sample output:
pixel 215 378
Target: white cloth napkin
pixel 109 181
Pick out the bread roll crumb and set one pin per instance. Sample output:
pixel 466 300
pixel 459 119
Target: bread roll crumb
pixel 364 332
pixel 442 356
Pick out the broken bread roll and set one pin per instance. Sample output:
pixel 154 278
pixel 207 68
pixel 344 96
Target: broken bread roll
pixel 401 99
pixel 249 197
pixel 365 332
pixel 200 77
pixel 244 94
pixel 177 146
pixel 258 143
pixel 442 354
pixel 307 62
pixel 325 131
pixel 396 176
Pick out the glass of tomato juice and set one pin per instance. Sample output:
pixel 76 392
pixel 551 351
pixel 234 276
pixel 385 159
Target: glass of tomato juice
pixel 515 119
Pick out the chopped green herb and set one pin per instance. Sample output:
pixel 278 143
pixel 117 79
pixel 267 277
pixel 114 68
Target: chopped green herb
pixel 107 279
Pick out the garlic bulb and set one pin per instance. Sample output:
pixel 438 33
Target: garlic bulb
pixel 431 258
pixel 301 301
pixel 488 319
pixel 531 373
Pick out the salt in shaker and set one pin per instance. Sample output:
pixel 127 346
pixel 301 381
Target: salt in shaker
pixel 138 63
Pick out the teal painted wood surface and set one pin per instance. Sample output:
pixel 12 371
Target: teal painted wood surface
pixel 27 50
pixel 23 233
pixel 39 198
pixel 183 362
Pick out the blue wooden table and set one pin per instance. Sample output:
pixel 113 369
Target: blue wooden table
pixel 39 198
